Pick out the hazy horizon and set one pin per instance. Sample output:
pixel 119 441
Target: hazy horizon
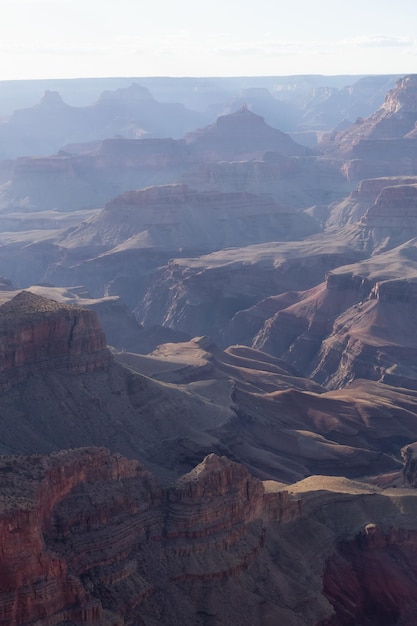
pixel 51 39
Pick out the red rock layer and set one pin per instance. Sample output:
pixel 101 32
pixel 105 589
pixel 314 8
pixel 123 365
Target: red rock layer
pixel 36 584
pixel 36 333
pixel 372 579
pixel 86 532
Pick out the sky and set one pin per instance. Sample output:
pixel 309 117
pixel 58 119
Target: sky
pixel 102 38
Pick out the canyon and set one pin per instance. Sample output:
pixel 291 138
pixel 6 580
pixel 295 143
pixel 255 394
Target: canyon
pixel 208 396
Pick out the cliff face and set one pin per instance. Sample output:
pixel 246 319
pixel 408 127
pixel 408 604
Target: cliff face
pixel 203 295
pixel 91 538
pixel 240 135
pixel 36 584
pixel 366 195
pixel 175 218
pixel 382 144
pixel 371 579
pixel 358 324
pixel 88 536
pixel 36 333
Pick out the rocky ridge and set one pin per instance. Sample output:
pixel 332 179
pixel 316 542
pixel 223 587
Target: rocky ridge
pixel 92 528
pixel 359 324
pixel 102 543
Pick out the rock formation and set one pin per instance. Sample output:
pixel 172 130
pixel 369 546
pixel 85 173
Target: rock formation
pixel 359 324
pixel 42 334
pixel 353 208
pixel 382 144
pixel 90 537
pixel 202 295
pixel 174 217
pixel 240 135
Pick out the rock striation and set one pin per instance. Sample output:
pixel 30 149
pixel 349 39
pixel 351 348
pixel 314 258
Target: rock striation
pixel 241 134
pixel 175 218
pixel 37 333
pixel 359 324
pixel 203 295
pixel 88 536
pixel 382 144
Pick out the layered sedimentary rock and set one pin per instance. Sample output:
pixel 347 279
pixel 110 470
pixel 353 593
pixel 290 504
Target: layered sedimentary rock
pixel 88 536
pixel 241 134
pixel 174 217
pixel 371 578
pixel 129 112
pixel 41 334
pixel 360 324
pixel 354 207
pixel 382 144
pixel 239 403
pixel 91 538
pixel 201 295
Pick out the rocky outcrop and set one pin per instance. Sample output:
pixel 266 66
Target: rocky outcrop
pixel 390 221
pixel 409 454
pixel 359 324
pixel 202 295
pixel 371 579
pixel 88 536
pixel 175 218
pixel 365 197
pixel 382 144
pixel 130 112
pixel 240 135
pixel 375 340
pixel 91 538
pixel 41 334
pixel 36 584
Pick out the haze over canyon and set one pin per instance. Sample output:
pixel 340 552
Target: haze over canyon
pixel 208 339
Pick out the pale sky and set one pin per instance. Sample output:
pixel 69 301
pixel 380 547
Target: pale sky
pixel 101 38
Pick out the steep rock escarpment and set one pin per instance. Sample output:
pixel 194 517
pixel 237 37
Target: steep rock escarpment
pixel 359 324
pixel 389 222
pixel 296 332
pixel 384 143
pixel 371 579
pixel 201 295
pixel 374 340
pixel 36 333
pixel 353 208
pixel 175 217
pixel 240 136
pixel 89 536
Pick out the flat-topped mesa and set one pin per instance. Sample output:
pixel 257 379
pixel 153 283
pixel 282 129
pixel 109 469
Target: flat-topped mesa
pixel 38 333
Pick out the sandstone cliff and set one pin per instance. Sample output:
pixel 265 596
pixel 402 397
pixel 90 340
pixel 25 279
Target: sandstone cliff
pixel 88 536
pixel 91 538
pixel 42 334
pixel 359 324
